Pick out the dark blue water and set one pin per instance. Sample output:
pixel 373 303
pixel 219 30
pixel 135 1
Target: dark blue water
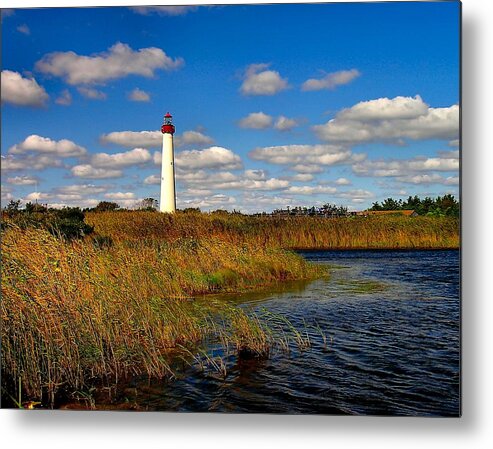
pixel 391 321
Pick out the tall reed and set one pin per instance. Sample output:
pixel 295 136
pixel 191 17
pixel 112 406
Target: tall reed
pixel 73 311
pixel 293 232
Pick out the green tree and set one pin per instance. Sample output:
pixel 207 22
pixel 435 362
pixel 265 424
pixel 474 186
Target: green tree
pixel 190 210
pixel 391 204
pixel 13 207
pixel 412 203
pixel 35 208
pixel 105 206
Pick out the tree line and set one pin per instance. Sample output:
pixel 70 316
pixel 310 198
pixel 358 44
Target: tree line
pixel 440 206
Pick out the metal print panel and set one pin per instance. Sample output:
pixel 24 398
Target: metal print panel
pixel 237 209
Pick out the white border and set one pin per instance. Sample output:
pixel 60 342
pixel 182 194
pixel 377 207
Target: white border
pixel 134 430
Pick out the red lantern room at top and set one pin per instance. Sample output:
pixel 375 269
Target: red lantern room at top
pixel 168 127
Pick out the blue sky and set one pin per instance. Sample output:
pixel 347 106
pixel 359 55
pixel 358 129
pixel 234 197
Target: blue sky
pixel 274 105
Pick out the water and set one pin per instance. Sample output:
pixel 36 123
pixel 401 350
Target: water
pixel 392 326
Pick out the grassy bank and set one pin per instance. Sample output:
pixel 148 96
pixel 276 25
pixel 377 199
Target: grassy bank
pixel 83 311
pixel 295 232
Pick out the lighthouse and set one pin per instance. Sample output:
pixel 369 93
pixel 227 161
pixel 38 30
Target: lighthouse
pixel 168 198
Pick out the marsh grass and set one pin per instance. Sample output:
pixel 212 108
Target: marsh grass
pixel 73 311
pixel 376 232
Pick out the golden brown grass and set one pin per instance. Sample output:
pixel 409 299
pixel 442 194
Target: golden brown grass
pixel 293 232
pixel 72 312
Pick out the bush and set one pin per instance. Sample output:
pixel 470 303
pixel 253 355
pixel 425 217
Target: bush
pixel 105 206
pixel 69 228
pixel 67 222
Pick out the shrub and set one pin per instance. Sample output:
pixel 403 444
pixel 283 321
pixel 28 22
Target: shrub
pixel 67 222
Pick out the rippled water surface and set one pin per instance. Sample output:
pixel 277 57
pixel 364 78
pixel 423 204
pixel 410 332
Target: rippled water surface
pixel 391 326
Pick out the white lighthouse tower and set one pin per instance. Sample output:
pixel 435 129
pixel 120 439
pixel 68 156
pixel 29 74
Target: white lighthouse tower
pixel 168 198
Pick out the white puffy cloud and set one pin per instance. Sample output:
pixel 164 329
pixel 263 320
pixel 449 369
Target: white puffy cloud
pixel 200 175
pixel 343 182
pixel 38 196
pixel 218 201
pixel 91 93
pixel 331 80
pixel 65 98
pixel 208 158
pixel 163 10
pixel 80 190
pixel 81 195
pixel 429 179
pixel 139 95
pixel 72 195
pixel 405 167
pixel 249 180
pixel 256 120
pixel 386 109
pixel 152 179
pixel 29 162
pixel 196 192
pixel 434 163
pixel 311 190
pixel 241 183
pixel 23 180
pixel 24 29
pixel 256 175
pixel 452 154
pixel 90 172
pixel 303 158
pixel 390 120
pixel 152 139
pixel 192 138
pixel 137 156
pixel 307 168
pixel 44 145
pixel 120 196
pixel 5 196
pixel 22 91
pixel 454 143
pixel 132 139
pixel 452 180
pixel 285 124
pixel 259 81
pixel 257 185
pixel 260 120
pixel 357 194
pixel 302 177
pixel 118 62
